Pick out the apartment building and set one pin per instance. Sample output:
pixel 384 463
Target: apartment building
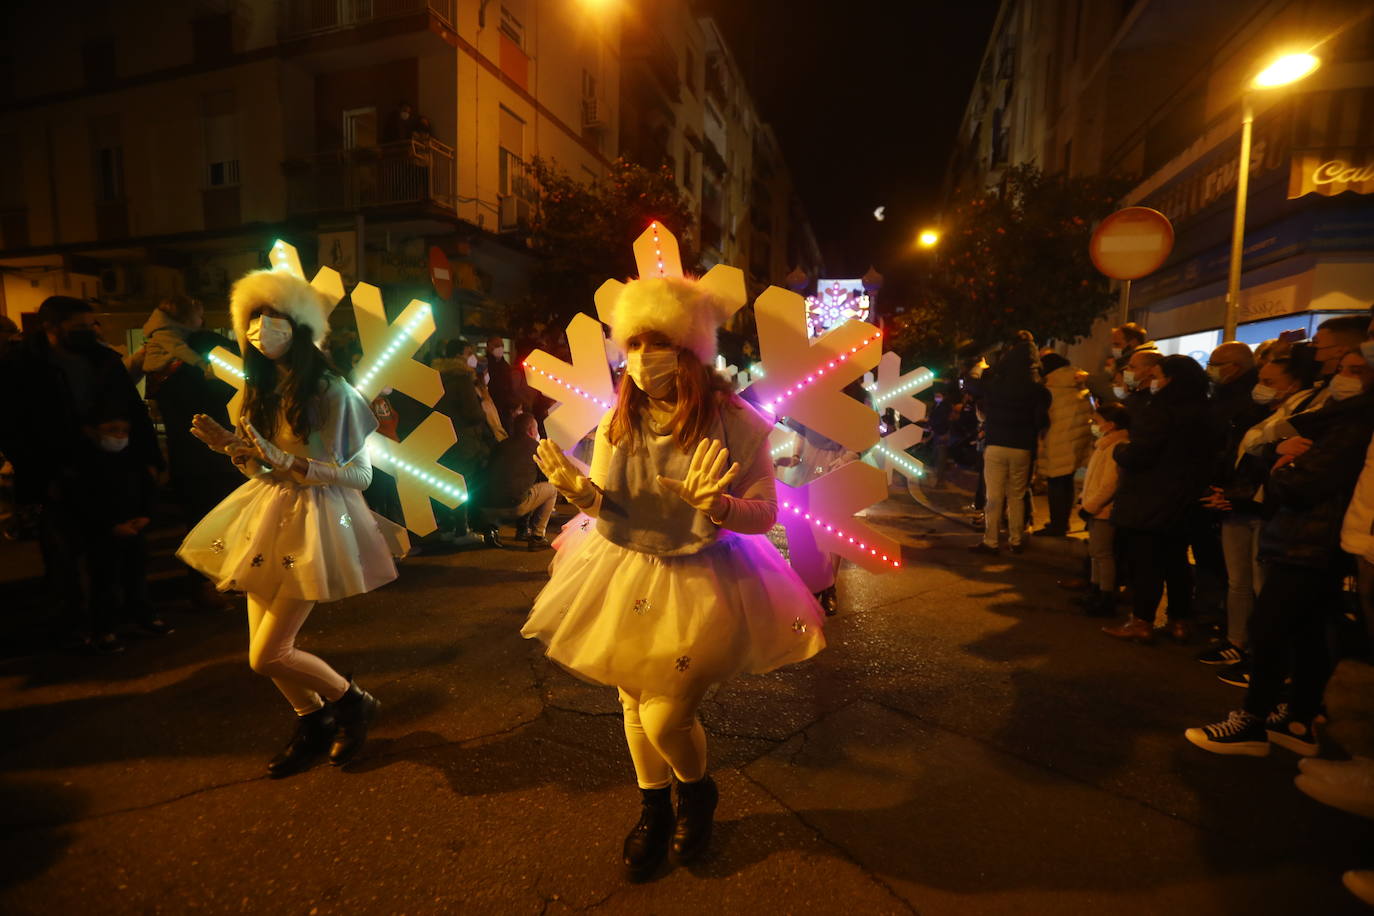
pixel 1152 89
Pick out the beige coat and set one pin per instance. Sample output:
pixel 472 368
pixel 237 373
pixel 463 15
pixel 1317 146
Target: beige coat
pixel 1065 444
pixel 1099 484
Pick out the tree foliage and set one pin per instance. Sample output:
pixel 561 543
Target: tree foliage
pixel 583 232
pixel 1017 257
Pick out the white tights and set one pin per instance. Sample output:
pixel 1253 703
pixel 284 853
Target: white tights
pixel 301 677
pixel 665 737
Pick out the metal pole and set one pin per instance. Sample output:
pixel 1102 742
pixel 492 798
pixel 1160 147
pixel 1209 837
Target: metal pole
pixel 1247 120
pixel 1125 302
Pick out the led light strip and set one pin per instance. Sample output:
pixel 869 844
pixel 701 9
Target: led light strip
pixel 925 376
pixel 771 406
pixel 395 344
pixel 235 370
pixel 817 521
pixel 568 385
pixel 900 460
pixel 658 248
pixel 381 451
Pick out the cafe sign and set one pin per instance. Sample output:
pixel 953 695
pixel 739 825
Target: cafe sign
pixel 1330 172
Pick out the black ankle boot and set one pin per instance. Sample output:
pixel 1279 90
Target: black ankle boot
pixel 353 712
pixel 696 807
pixel 313 734
pixel 647 845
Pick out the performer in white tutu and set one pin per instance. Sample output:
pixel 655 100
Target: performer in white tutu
pixel 675 588
pixel 298 532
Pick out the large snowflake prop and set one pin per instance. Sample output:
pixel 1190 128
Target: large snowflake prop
pixel 804 380
pixel 388 362
pixel 896 392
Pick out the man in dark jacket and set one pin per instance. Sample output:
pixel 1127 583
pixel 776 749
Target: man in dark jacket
pixel 1310 487
pixel 57 376
pixel 1015 408
pixel 501 382
pixel 513 484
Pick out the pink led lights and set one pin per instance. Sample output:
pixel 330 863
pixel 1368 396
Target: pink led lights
pixel 820 523
pixel 573 388
pixel 811 378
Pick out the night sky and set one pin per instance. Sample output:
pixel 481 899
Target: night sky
pixel 866 97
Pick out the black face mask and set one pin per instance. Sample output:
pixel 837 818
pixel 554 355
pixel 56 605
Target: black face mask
pixel 81 340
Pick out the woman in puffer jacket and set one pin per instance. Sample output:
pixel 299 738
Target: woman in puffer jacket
pixel 1067 442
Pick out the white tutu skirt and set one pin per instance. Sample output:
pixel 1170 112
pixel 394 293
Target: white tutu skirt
pixel 668 625
pixel 273 539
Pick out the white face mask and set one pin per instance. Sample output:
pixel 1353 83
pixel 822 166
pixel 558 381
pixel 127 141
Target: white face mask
pixel 1367 351
pixel 1120 392
pixel 114 443
pixel 1263 394
pixel 1116 352
pixel 1154 386
pixel 1128 378
pixel 1214 373
pixel 1346 386
pixel 655 372
pixel 271 336
pixel 472 361
pixel 1096 430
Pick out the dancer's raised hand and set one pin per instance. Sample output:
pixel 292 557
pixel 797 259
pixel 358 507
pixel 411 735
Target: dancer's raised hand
pixel 222 440
pixel 707 477
pixel 265 450
pixel 562 473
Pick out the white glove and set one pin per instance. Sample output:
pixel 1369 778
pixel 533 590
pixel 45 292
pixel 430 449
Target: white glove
pixel 563 474
pixel 265 451
pixel 707 478
pixel 215 436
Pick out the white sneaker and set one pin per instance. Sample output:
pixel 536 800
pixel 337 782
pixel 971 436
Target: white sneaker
pixel 1360 882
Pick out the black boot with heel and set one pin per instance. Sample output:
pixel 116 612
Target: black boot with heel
pixel 647 845
pixel 314 732
pixel 696 809
pixel 353 713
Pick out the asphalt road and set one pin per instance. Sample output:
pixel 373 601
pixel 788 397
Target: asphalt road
pixel 966 744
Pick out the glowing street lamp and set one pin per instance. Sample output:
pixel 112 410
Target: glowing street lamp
pixel 928 238
pixel 1283 72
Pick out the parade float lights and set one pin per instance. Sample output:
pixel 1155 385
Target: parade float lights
pixel 813 377
pixel 227 366
pixel 405 333
pixel 901 460
pixel 568 385
pixel 821 523
pixel 835 304
pixel 920 380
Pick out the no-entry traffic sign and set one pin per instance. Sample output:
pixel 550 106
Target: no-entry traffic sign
pixel 1131 243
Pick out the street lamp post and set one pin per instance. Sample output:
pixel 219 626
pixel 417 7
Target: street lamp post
pixel 1285 70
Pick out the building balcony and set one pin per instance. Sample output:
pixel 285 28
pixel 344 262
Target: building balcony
pixel 642 44
pixel 303 18
pixel 410 172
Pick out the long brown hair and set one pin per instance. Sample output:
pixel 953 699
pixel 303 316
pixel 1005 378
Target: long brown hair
pixel 308 372
pixel 700 391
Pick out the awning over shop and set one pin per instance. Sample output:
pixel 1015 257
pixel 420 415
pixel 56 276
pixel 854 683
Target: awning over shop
pixel 1331 171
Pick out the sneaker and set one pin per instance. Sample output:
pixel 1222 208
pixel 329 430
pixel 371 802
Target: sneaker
pixel 1224 653
pixel 1286 731
pixel 1017 549
pixel 982 548
pixel 1360 882
pixel 537 542
pixel 1241 734
pixel 1237 675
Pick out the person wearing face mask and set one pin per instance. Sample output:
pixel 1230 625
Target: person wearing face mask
pixel 298 532
pixel 1110 428
pixel 59 375
pixel 1237 493
pixel 1138 377
pixel 468 455
pixel 676 586
pixel 1306 499
pixel 1161 480
pixel 118 494
pixel 1126 341
pixel 501 382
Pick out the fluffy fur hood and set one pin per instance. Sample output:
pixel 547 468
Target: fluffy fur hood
pixel 288 294
pixel 684 310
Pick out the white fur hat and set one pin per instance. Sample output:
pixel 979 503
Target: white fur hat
pixel 683 310
pixel 283 291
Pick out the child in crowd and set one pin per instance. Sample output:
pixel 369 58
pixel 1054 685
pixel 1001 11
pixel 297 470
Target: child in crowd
pixel 1110 425
pixel 167 329
pixel 116 493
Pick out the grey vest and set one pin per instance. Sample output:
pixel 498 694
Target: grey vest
pixel 638 514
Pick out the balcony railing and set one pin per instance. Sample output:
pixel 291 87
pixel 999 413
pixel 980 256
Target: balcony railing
pixel 300 18
pixel 408 172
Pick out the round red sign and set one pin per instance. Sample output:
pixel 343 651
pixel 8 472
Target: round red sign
pixel 1131 243
pixel 441 273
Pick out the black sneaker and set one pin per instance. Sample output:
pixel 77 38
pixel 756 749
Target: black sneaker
pixel 537 542
pixel 1241 734
pixel 1237 675
pixel 1285 731
pixel 980 547
pixel 1223 653
pixel 1017 548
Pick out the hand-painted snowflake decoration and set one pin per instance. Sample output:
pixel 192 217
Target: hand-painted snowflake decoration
pixel 388 362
